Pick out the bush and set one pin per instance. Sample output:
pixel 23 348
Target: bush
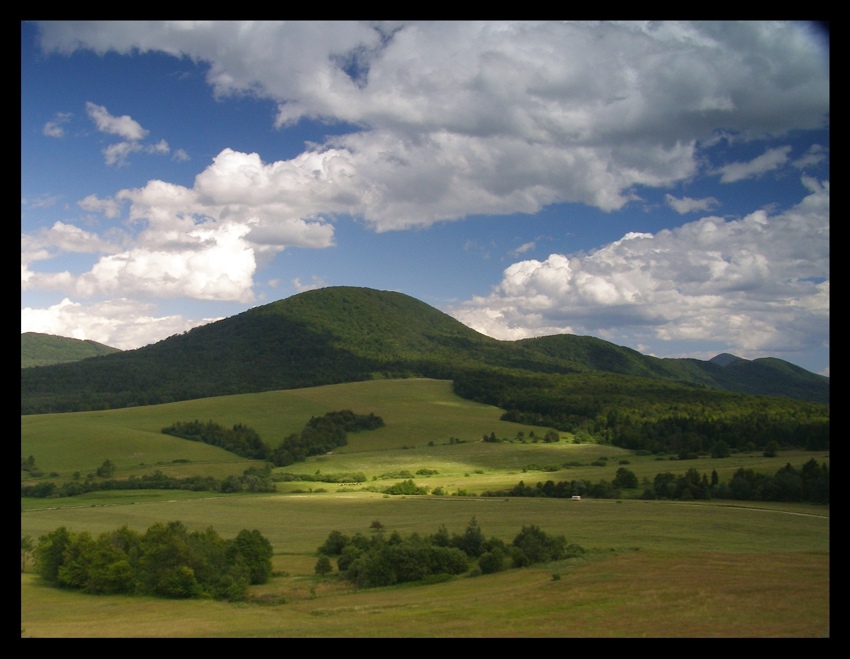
pixel 491 561
pixel 625 478
pixel 538 547
pixel 405 487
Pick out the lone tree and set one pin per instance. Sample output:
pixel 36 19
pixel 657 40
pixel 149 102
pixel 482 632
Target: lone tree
pixel 323 566
pixel 625 479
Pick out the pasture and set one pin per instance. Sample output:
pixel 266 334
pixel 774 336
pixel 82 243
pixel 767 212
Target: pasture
pixel 653 568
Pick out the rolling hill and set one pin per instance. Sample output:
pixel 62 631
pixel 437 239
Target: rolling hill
pixel 348 334
pixel 44 349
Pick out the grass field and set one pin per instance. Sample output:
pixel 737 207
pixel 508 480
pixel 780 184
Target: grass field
pixel 657 569
pixel 653 569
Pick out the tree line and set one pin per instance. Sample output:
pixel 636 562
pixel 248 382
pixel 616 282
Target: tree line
pixel 319 435
pixel 809 484
pixel 253 479
pixel 381 560
pixel 168 560
pixel 647 415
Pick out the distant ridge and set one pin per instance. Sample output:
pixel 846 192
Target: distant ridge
pixel 44 349
pixel 724 359
pixel 346 334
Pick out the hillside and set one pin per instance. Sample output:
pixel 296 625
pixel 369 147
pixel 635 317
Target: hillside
pixel 347 334
pixel 45 349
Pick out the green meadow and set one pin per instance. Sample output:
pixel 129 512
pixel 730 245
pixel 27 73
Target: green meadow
pixel 653 568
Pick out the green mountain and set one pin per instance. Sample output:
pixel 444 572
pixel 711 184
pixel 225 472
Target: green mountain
pixel 348 334
pixel 44 349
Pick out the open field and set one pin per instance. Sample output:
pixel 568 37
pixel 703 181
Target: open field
pixel 653 568
pixel 416 412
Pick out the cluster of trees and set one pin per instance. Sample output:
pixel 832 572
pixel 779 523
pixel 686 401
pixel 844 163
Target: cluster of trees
pixel 253 479
pixel 551 437
pixel 383 561
pixel 809 484
pixel 405 487
pixel 28 465
pixel 741 427
pixel 560 490
pixel 653 415
pixel 336 477
pixel 347 420
pixel 242 440
pixel 168 560
pixel 319 435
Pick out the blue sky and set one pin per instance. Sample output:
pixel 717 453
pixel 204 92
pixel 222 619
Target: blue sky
pixel 663 186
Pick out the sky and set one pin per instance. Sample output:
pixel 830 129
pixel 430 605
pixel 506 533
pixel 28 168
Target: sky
pixel 660 185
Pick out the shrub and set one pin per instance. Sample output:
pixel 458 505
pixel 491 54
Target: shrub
pixel 405 487
pixel 491 561
pixel 538 547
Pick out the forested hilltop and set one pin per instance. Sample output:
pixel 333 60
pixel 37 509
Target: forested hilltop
pixel 348 334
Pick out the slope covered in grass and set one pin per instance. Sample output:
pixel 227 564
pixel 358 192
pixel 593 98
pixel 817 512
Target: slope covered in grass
pixel 44 349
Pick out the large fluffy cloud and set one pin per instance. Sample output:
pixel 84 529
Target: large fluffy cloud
pixel 461 118
pixel 451 119
pixel 760 283
pixel 202 242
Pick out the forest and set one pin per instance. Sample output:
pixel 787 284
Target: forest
pixel 347 334
pixel 809 484
pixel 646 415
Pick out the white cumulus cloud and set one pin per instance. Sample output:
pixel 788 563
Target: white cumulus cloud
pixel 123 126
pixel 759 283
pixel 56 128
pixel 685 205
pixel 460 118
pixel 768 161
pixel 121 323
